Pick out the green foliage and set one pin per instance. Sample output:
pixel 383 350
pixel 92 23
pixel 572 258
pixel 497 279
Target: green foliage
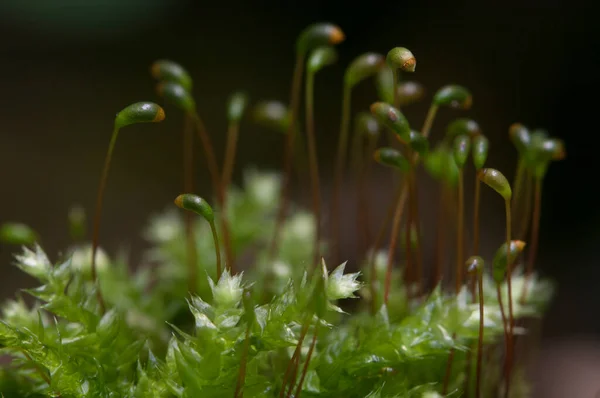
pixel 157 341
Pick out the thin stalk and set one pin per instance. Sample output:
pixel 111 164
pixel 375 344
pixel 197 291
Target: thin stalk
pixel 239 387
pixel 97 216
pixel 289 370
pixel 313 164
pixel 360 153
pixel 518 184
pixel 230 151
pixel 476 203
pixel 506 338
pixel 417 224
pixel 448 369
pixel 429 119
pixel 408 263
pixel 213 229
pixel 535 231
pixel 480 339
pixel 188 186
pixel 339 173
pixel 378 242
pixel 288 156
pixel 307 361
pixel 509 270
pixel 460 240
pixel 393 238
pixel 526 216
pixel 213 169
pixel 441 236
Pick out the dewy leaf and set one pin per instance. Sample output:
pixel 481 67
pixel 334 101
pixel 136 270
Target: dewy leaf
pixel 340 286
pixel 34 262
pixel 227 293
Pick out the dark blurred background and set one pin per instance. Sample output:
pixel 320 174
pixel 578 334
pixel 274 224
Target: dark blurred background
pixel 66 68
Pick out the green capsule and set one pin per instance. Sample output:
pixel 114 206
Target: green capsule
pixel 409 92
pixel 392 118
pixel 520 137
pixel 500 263
pixel 392 158
pixel 236 106
pixel 480 149
pixel 475 265
pixel 272 114
pixel 167 70
pixel 434 163
pixel 77 222
pixel 461 148
pixel 367 125
pixel 176 95
pixel 418 143
pixel 401 58
pixel 196 204
pixel 17 234
pixel 321 57
pixel 454 96
pixel 316 35
pixel 139 112
pixel 497 181
pixel 463 126
pixel 363 67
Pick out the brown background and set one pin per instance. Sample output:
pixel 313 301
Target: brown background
pixel 67 67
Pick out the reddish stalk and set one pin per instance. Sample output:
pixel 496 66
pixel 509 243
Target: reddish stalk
pixel 288 157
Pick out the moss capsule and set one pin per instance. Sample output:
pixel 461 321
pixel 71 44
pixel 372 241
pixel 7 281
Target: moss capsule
pixel 139 112
pixel 392 118
pixel 392 158
pixel 401 58
pixel 501 261
pixel 318 34
pixel 454 96
pixel 167 70
pixel 497 181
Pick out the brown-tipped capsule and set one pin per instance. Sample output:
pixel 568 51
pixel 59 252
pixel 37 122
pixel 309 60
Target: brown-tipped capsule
pixel 461 148
pixel 176 95
pixel 480 150
pixel 418 143
pixel 196 204
pixel 401 58
pixel 318 34
pixel 392 118
pixel 362 67
pixel 454 96
pixel 520 137
pixel 272 114
pixel 167 70
pixel 463 126
pixel 558 149
pixel 500 263
pixel 392 158
pixel 139 112
pixel 497 181
pixel 321 57
pixel 409 92
pixel 367 125
pixel 475 265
